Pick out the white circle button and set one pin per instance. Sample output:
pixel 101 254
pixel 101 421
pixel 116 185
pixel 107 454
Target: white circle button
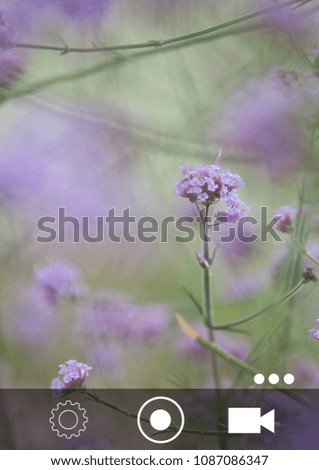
pixel 273 379
pixel 289 379
pixel 259 379
pixel 160 420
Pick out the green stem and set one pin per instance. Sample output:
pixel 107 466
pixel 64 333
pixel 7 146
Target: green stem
pixel 195 302
pixel 160 42
pixel 208 306
pixel 276 303
pixel 209 312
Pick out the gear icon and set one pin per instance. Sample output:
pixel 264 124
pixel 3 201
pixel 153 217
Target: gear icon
pixel 68 419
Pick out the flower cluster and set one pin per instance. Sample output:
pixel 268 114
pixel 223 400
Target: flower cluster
pixel 72 374
pixel 314 332
pixel 287 215
pixel 208 184
pixel 60 281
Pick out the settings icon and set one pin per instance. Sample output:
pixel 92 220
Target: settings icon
pixel 68 419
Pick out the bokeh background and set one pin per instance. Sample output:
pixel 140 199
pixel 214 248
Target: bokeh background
pixel 95 131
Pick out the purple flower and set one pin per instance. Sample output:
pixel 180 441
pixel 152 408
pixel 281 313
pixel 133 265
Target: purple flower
pixel 57 384
pixel 72 374
pixel 236 209
pixel 11 67
pixel 314 332
pixel 245 287
pixel 287 216
pixel 6 31
pixel 83 9
pixel 208 184
pixel 75 9
pixel 106 357
pixel 299 21
pixel 282 77
pixel 114 314
pixel 32 318
pixel 250 123
pixel 238 249
pixel 60 281
pixel 149 321
pixel 306 372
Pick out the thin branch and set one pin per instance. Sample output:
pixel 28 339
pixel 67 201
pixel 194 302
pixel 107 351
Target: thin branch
pixel 194 301
pixel 118 60
pixel 161 42
pixel 276 303
pixel 94 397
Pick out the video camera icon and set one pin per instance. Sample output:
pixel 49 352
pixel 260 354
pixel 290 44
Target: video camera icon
pixel 250 420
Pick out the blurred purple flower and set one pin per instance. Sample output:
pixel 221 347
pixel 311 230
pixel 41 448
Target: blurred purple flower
pixel 11 67
pixel 245 287
pixel 267 123
pixel 113 314
pixel 238 250
pixel 32 318
pixel 149 321
pixel 287 215
pixel 298 21
pixel 283 78
pixel 189 348
pixel 72 374
pixel 235 346
pixel 60 281
pixel 75 9
pixel 6 31
pixel 82 9
pixel 314 332
pixel 306 373
pixel 278 260
pixel 21 171
pixel 106 358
